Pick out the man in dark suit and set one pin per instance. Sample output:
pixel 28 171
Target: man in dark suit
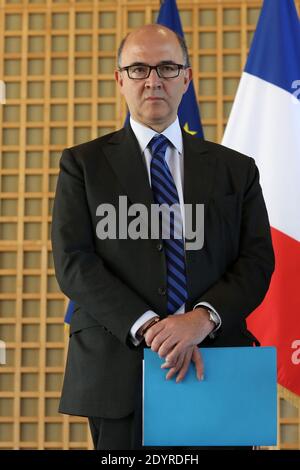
pixel 121 286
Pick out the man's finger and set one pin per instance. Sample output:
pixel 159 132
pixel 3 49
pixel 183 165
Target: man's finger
pixel 153 331
pixel 180 348
pixel 185 366
pixel 159 341
pixel 166 346
pixel 176 366
pixel 199 365
pixel 180 364
pixel 170 374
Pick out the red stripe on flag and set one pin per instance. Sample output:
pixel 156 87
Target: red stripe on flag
pixel 276 322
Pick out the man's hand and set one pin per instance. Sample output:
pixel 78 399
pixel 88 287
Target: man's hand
pixel 174 338
pixel 192 353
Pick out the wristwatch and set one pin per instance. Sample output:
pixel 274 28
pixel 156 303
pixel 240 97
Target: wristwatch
pixel 213 316
pixel 215 319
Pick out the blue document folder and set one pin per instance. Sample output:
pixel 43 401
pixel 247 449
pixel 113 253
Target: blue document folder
pixel 235 404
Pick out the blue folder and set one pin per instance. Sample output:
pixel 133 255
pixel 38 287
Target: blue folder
pixel 235 404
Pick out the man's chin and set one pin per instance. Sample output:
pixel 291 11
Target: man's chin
pixel 154 121
pixel 156 117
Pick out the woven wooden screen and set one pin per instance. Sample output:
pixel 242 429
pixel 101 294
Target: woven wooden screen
pixel 57 60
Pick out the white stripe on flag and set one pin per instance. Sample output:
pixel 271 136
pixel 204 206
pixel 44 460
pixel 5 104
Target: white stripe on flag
pixel 270 133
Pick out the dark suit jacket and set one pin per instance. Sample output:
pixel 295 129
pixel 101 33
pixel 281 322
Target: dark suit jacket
pixel 113 282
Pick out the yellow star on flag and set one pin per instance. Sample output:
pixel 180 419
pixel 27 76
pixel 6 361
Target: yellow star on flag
pixel 186 128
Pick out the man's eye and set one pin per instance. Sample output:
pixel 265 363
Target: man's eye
pixel 138 69
pixel 168 68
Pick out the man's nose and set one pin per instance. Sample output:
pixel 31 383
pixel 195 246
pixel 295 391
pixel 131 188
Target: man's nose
pixel 153 79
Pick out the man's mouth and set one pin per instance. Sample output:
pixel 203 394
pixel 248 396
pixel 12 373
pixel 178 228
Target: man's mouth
pixel 154 98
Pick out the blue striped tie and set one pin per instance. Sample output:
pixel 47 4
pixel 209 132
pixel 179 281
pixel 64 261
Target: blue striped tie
pixel 165 192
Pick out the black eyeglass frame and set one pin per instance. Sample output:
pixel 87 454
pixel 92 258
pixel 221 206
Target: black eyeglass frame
pixel 153 67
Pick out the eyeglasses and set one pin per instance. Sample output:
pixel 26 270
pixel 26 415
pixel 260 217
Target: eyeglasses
pixel 140 71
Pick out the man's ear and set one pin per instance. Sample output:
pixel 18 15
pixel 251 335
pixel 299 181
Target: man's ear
pixel 188 77
pixel 119 78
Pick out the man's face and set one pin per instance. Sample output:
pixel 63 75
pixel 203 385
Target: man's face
pixel 153 101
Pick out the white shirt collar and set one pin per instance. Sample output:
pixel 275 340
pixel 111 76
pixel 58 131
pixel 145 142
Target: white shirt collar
pixel 144 134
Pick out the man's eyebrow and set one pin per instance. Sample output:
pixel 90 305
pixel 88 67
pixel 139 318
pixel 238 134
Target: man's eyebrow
pixel 162 62
pixel 137 63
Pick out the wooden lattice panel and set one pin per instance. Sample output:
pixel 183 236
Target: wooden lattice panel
pixel 57 60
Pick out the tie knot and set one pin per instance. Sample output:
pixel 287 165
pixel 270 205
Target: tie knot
pixel 158 144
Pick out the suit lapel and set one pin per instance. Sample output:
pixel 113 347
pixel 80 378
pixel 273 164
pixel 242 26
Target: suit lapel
pixel 124 155
pixel 199 170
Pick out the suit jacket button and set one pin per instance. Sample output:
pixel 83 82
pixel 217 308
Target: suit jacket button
pixel 159 247
pixel 162 291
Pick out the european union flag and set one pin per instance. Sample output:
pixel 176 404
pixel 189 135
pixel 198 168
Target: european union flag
pixel 69 313
pixel 188 112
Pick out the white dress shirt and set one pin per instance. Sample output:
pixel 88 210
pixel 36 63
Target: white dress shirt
pixel 174 158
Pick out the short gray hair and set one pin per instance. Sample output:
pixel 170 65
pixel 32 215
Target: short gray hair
pixel 181 41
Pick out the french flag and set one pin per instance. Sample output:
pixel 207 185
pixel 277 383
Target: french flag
pixel 265 123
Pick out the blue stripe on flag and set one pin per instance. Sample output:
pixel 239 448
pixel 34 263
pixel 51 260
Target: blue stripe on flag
pixel 275 53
